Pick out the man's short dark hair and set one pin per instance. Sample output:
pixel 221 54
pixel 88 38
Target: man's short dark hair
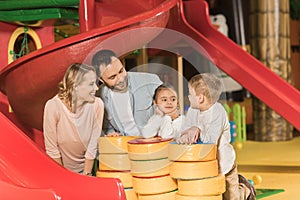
pixel 102 57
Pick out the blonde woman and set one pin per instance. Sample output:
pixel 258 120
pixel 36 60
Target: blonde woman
pixel 73 120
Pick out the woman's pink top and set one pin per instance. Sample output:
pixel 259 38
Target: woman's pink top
pixel 73 137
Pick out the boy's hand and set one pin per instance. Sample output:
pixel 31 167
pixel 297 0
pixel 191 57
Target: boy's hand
pixel 189 136
pixel 183 140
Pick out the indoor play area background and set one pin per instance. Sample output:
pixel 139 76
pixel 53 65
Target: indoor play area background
pixel 254 45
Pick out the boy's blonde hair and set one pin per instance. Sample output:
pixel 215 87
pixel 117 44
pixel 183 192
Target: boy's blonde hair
pixel 208 85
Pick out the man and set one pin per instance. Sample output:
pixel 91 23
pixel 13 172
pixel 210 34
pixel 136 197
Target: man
pixel 127 96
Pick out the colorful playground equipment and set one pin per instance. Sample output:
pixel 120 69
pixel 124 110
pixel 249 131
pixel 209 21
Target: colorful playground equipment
pixel 28 82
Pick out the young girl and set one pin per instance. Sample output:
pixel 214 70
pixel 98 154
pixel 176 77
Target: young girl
pixel 167 121
pixel 73 120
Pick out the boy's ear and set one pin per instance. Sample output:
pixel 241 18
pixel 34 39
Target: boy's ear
pixel 154 102
pixel 201 98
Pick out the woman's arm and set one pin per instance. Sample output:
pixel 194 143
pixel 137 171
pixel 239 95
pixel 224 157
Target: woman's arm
pixel 88 167
pixel 50 121
pixel 58 160
pixel 92 147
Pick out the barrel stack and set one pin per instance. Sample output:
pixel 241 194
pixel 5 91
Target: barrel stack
pixel 195 167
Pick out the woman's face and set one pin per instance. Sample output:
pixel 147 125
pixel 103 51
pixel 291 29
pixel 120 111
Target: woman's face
pixel 167 101
pixel 86 90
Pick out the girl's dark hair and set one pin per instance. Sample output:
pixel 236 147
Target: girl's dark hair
pixel 162 87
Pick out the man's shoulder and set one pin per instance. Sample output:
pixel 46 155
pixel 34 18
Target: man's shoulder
pixel 143 77
pixel 139 80
pixel 102 91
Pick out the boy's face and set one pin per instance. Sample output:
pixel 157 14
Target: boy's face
pixel 194 100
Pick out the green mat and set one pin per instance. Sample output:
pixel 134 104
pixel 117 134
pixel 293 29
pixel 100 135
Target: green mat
pixel 261 193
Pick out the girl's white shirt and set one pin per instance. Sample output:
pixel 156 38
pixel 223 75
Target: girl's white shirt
pixel 163 126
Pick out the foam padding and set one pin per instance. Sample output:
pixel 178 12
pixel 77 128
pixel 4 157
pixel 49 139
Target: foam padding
pixel 115 162
pixel 150 168
pixel 194 170
pixel 202 187
pixel 162 196
pixel 130 194
pixel 124 176
pixel 193 152
pixel 148 149
pixel 114 144
pixel 154 185
pixel 182 197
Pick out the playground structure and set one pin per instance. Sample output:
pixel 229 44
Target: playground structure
pixel 28 82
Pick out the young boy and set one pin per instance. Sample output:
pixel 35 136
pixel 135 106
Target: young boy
pixel 207 121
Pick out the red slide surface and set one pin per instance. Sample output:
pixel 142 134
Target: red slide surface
pixel 32 79
pixel 241 66
pixel 23 165
pixel 41 70
pixel 191 19
pixel 28 172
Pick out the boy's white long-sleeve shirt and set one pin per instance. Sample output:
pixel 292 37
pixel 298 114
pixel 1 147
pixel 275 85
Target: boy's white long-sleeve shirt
pixel 215 128
pixel 163 126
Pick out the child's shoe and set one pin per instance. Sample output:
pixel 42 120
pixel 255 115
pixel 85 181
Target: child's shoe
pixel 252 195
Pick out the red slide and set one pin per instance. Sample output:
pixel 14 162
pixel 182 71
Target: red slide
pixel 29 173
pixel 192 19
pixel 10 191
pixel 241 66
pixel 122 30
pixel 31 80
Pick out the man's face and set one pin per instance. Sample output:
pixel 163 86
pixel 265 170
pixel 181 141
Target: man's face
pixel 114 76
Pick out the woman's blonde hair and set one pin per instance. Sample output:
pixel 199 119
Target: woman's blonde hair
pixel 72 78
pixel 208 85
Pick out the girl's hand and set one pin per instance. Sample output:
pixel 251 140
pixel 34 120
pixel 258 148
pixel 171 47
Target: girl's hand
pixel 159 111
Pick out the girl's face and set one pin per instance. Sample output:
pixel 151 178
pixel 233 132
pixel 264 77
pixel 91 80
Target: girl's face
pixel 167 101
pixel 86 90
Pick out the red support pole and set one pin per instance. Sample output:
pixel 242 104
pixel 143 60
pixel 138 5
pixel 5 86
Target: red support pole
pixel 86 15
